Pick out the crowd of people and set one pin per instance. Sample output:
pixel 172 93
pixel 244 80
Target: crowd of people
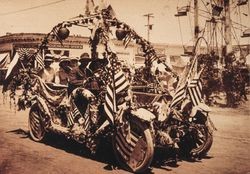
pixel 72 72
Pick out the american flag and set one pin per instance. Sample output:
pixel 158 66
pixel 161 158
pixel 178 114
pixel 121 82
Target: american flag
pixel 72 115
pixel 179 95
pixel 124 145
pixel 126 140
pixel 116 83
pixel 194 89
pixel 180 92
pixel 75 114
pixel 24 52
pixel 190 84
pixel 39 61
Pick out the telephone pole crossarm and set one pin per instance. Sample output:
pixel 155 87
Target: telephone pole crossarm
pixel 149 26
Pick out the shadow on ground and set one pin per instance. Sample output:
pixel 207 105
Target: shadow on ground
pixel 21 132
pixel 163 159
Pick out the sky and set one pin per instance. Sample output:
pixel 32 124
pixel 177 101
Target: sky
pixel 166 27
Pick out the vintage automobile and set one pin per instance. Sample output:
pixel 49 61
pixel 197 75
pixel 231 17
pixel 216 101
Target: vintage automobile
pixel 186 126
pixel 88 114
pixel 176 129
pixel 135 125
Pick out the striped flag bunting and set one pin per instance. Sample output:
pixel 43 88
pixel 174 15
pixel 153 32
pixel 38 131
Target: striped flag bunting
pixel 16 64
pixel 179 95
pixel 126 142
pixel 72 115
pixel 195 89
pixel 127 40
pixel 39 60
pixel 152 57
pixel 180 92
pixel 82 120
pixel 116 83
pixel 24 52
pixel 186 86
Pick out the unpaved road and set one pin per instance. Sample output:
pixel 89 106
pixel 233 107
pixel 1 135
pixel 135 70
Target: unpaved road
pixel 230 153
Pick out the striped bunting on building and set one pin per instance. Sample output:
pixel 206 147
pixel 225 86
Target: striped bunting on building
pixel 123 146
pixel 195 89
pixel 24 52
pixel 116 83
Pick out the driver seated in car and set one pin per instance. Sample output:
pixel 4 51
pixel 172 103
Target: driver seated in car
pixel 78 74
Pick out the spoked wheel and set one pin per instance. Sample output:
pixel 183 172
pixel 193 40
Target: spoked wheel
pixel 36 128
pixel 203 141
pixel 134 150
pixel 198 142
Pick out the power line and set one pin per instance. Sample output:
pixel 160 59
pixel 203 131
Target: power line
pixel 31 8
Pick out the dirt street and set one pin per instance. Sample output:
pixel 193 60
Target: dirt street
pixel 19 154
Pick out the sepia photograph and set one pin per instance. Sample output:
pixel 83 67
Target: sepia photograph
pixel 124 86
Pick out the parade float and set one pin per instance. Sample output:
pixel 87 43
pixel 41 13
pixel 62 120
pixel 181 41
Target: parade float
pixel 135 115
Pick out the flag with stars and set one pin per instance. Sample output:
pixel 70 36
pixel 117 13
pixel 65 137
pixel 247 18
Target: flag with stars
pixel 24 53
pixel 116 83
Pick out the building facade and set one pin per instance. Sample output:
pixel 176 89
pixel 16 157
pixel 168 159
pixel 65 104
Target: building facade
pixel 74 46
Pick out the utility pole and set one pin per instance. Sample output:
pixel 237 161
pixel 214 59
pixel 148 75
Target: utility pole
pixel 149 26
pixel 196 21
pixel 227 27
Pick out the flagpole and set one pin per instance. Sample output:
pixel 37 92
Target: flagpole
pixel 114 93
pixel 194 53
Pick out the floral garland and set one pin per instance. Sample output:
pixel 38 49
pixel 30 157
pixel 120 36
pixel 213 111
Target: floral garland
pixel 99 23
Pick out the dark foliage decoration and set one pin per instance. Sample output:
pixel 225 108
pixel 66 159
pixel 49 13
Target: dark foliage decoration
pixel 234 81
pixel 100 24
pixel 230 80
pixel 211 81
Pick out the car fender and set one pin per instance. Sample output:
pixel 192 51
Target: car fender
pixel 202 107
pixel 143 114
